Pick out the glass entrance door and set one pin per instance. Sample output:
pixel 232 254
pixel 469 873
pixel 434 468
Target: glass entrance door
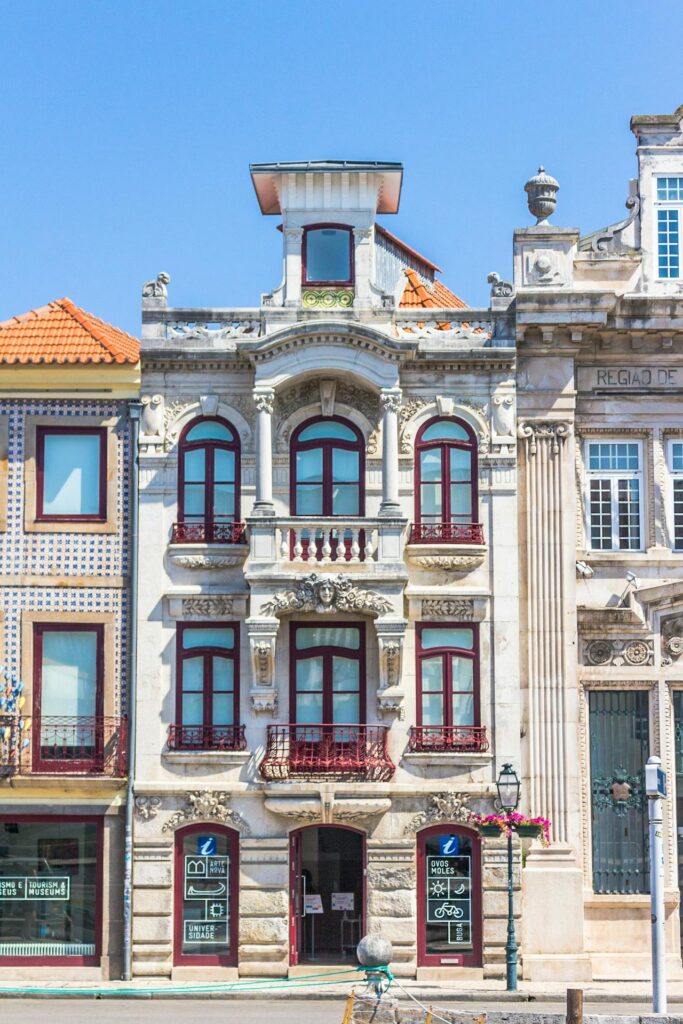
pixel 449 897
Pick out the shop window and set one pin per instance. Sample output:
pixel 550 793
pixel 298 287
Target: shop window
pixel 449 897
pixel 328 469
pixel 71 474
pixel 327 255
pixel 50 890
pixel 445 482
pixel 207 698
pixel 206 890
pixel 614 473
pixel 68 697
pixel 618 722
pixel 208 481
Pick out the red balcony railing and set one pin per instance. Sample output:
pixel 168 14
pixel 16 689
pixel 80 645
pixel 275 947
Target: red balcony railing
pixel 206 737
pixel 446 533
pixel 63 745
pixel 459 739
pixel 208 533
pixel 333 751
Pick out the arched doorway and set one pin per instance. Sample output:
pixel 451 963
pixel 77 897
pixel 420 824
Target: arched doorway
pixel 449 916
pixel 205 888
pixel 327 893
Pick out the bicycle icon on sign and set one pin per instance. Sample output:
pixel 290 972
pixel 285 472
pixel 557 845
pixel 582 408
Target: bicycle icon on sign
pixel 448 910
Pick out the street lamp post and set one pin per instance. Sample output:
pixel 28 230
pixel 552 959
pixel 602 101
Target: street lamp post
pixel 508 786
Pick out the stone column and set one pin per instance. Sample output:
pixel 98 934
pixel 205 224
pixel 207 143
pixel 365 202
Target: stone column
pixel 263 400
pixel 390 400
pixel 293 246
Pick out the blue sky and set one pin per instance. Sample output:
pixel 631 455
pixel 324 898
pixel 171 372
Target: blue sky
pixel 127 129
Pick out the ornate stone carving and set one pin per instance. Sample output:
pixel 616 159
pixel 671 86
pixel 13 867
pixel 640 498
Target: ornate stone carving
pixel 416 403
pixel 627 651
pixel 226 335
pixel 442 807
pixel 264 701
pixel 327 807
pixel 172 413
pixel 390 399
pixel 264 400
pixel 213 607
pixel 157 289
pixel 207 806
pixel 208 561
pixel 327 298
pixel 152 420
pixel 500 289
pixel 310 393
pixel 262 640
pixel 328 390
pixel 146 807
pixel 460 563
pixel 541 193
pixel 672 640
pixel 552 431
pixel 324 596
pixel 448 608
pixel 542 269
pixel 503 412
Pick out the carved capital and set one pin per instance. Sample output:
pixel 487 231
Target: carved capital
pixel 264 400
pixel 390 399
pixel 551 432
pixel 146 807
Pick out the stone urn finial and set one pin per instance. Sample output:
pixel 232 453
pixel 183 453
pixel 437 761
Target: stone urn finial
pixel 541 193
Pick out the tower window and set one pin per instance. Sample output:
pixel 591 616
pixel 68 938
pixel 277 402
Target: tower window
pixel 327 255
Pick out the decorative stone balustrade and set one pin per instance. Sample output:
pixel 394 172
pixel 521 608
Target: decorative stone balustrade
pixel 328 540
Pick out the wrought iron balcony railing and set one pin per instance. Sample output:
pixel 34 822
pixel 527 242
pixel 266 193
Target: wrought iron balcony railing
pixel 63 745
pixel 206 737
pixel 458 739
pixel 446 533
pixel 330 751
pixel 208 533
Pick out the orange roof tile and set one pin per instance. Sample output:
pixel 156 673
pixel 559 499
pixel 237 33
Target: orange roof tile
pixel 62 333
pixel 416 295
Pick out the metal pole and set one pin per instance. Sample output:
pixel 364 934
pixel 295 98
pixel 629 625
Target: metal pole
pixel 511 944
pixel 657 901
pixel 135 410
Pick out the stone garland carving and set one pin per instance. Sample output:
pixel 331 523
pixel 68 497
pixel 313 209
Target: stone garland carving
pixel 448 608
pixel 463 563
pixel 553 430
pixel 322 595
pixel 157 289
pixel 207 806
pixel 638 653
pixel 442 807
pixel 672 640
pixel 207 607
pixel 210 561
pixel 146 807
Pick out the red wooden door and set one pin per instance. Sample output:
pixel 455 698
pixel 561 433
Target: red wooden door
pixel 296 898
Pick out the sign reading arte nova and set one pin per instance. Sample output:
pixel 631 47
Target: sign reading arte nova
pixel 630 378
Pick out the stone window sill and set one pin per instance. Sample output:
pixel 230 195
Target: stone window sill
pixel 207 758
pixel 432 759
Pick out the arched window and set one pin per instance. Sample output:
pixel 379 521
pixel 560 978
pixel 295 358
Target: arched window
pixel 208 482
pixel 446 482
pixel 327 469
pixel 327 257
pixel 206 890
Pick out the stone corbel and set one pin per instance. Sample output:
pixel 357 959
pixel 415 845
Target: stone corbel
pixel 262 636
pixel 390 696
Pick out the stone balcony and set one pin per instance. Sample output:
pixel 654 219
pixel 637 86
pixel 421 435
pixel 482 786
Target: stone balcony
pixel 458 547
pixel 199 545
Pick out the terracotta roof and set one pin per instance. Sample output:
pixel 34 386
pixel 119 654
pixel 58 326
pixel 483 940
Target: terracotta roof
pixel 62 333
pixel 416 295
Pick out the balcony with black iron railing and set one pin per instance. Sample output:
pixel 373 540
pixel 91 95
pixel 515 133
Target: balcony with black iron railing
pixel 333 752
pixel 456 546
pixel 196 544
pixel 448 739
pixel 63 745
pixel 206 737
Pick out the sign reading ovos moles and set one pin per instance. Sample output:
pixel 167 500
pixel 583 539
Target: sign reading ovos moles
pixel 630 378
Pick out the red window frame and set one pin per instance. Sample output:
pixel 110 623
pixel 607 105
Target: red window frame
pixel 43 517
pixel 473 958
pixel 210 445
pixel 181 959
pixel 327 444
pixel 304 257
pixel 328 653
pixel 207 653
pixel 445 653
pixel 61 961
pixel 54 765
pixel 446 444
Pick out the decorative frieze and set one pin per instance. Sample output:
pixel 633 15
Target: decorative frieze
pixel 626 651
pixel 325 596
pixel 207 806
pixel 207 607
pixel 442 807
pixel 672 640
pixel 458 609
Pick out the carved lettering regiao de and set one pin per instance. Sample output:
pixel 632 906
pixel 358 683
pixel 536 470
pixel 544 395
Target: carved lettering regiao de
pixel 637 377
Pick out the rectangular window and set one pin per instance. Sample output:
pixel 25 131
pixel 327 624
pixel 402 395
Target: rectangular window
pixel 676 477
pixel 327 255
pixel 668 243
pixel 68 697
pixel 72 474
pixel 614 495
pixel 328 674
pixel 618 722
pixel 50 890
pixel 207 711
pixel 670 189
pixel 448 689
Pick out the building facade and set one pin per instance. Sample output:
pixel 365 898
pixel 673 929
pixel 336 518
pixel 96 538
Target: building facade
pixel 66 381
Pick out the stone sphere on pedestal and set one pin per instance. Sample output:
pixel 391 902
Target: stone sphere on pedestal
pixel 374 951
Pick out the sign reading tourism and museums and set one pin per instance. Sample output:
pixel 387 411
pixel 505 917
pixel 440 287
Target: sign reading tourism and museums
pixel 207 888
pixel 449 896
pixel 41 887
